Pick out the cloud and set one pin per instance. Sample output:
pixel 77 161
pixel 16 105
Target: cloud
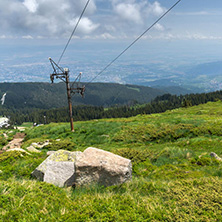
pixel 129 12
pixel 3 37
pixel 43 19
pixel 86 26
pixel 198 13
pixel 27 37
pixel 49 18
pixel 155 9
pixel 131 17
pixel 31 5
pixel 159 27
pixel 188 36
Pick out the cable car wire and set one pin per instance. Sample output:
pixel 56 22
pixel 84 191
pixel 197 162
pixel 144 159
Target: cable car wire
pixel 139 37
pixel 80 17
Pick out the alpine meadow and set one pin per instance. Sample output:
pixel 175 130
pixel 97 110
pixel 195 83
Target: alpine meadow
pixel 110 111
pixel 174 176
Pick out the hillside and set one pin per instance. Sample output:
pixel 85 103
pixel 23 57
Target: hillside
pixel 174 176
pixel 46 95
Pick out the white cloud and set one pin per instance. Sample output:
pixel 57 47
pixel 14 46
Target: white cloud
pixel 46 18
pixel 133 15
pixel 3 37
pixel 86 26
pixel 198 13
pixel 106 36
pixel 155 9
pixel 31 5
pixel 188 36
pixel 159 27
pixel 129 12
pixel 27 37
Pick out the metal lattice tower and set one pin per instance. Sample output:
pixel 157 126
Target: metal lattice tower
pixel 63 74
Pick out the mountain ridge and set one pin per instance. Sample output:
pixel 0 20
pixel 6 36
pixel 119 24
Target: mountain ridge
pixel 45 95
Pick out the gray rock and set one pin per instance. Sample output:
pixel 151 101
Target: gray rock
pixel 58 168
pixel 32 149
pixel 17 149
pixel 212 154
pixel 102 167
pixel 40 145
pixel 50 152
pixel 60 173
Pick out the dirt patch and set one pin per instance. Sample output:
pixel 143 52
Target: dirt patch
pixel 16 142
pixel 19 136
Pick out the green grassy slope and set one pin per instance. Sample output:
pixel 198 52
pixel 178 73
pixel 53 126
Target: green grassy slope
pixel 174 177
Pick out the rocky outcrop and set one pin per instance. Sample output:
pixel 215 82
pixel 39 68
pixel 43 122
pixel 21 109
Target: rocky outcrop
pixel 58 168
pixel 101 167
pixel 64 168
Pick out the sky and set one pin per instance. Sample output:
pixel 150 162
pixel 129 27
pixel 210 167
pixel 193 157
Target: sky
pixel 109 19
pixel 193 27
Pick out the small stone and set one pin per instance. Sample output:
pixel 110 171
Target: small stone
pixel 5 135
pixel 36 145
pixel 212 154
pixel 18 149
pixel 32 149
pixel 40 145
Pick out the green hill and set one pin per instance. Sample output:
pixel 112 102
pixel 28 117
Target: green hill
pixel 46 95
pixel 174 176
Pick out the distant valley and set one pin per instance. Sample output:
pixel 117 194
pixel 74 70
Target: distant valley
pixel 188 78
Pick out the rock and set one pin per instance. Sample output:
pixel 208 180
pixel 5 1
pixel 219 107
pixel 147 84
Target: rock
pixel 35 145
pixel 212 154
pixel 40 145
pixel 58 168
pixel 5 135
pixel 102 167
pixel 18 149
pixel 50 152
pixel 32 149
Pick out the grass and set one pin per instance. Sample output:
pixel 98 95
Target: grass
pixel 174 177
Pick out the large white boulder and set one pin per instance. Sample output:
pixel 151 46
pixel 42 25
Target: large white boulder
pixel 101 167
pixel 58 168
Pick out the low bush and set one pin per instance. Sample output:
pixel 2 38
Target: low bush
pixel 63 144
pixel 135 155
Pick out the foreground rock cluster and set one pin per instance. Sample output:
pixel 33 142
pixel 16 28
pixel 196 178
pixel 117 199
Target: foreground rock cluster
pixel 64 168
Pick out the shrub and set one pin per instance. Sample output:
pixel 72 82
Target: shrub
pixel 10 157
pixel 135 155
pixel 204 161
pixel 144 169
pixel 171 155
pixel 3 141
pixel 63 144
